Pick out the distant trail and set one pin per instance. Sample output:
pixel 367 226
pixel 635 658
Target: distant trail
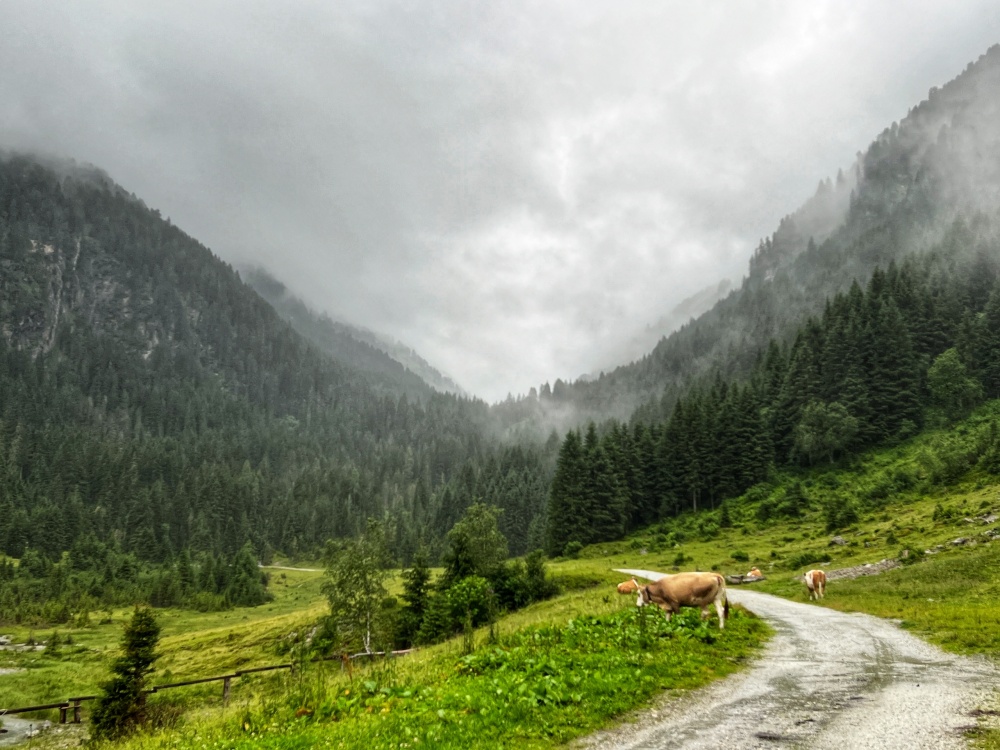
pixel 285 567
pixel 828 680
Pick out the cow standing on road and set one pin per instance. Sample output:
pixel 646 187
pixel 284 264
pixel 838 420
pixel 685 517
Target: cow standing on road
pixel 687 590
pixel 816 583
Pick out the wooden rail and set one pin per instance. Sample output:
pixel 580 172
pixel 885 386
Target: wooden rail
pixel 75 703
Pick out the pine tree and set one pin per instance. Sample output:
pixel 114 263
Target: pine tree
pixel 120 707
pixel 416 593
pixel 565 522
pixel 247 584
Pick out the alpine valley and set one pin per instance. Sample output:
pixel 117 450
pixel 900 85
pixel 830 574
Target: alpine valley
pixel 152 402
pixel 169 425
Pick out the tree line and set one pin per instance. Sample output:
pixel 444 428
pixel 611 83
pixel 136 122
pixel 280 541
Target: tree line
pixel 920 342
pixel 93 577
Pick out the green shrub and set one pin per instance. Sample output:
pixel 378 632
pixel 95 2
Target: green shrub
pixel 572 550
pixel 840 513
pixel 708 529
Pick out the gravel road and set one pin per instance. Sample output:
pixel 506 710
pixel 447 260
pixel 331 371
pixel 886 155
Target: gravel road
pixel 826 680
pixel 17 730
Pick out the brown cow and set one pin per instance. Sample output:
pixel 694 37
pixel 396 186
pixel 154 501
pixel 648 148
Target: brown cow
pixel 687 590
pixel 754 573
pixel 628 587
pixel 816 583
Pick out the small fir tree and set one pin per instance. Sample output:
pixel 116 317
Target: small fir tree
pixel 120 707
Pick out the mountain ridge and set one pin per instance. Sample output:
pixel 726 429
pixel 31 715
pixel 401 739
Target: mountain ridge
pixel 349 343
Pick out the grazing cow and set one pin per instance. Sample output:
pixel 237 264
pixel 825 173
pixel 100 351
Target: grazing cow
pixel 816 583
pixel 628 587
pixel 754 573
pixel 687 590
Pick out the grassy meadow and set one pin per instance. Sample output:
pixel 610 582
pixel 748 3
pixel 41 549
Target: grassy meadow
pixel 555 670
pixel 545 681
pixel 193 644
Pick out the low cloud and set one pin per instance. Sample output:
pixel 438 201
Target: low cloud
pixel 511 190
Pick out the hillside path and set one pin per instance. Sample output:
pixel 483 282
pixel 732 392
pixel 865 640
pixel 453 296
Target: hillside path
pixel 827 680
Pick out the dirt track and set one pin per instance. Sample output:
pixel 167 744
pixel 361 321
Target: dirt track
pixel 827 680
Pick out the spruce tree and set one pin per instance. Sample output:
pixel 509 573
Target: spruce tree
pixel 416 592
pixel 566 496
pixel 120 707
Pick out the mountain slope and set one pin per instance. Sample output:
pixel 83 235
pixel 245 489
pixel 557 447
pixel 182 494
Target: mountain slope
pixel 394 366
pixel 939 163
pixel 151 399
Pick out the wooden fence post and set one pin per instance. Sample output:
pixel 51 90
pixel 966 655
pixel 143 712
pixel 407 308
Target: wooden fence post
pixel 225 690
pixel 76 711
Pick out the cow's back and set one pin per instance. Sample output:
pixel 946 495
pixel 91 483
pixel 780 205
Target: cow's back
pixel 689 589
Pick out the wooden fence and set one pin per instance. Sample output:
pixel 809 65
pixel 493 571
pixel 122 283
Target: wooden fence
pixel 76 703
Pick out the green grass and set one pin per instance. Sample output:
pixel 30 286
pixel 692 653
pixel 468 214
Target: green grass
pixel 538 686
pixel 951 599
pixel 263 707
pixel 193 645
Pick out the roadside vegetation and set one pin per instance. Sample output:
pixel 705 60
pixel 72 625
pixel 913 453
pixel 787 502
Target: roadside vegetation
pixel 553 670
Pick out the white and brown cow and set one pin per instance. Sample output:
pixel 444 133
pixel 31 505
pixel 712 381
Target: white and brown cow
pixel 816 583
pixel 687 590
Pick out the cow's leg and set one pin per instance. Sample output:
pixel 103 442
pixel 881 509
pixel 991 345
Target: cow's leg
pixel 720 611
pixel 704 612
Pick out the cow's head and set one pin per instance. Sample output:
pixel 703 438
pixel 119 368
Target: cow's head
pixel 643 598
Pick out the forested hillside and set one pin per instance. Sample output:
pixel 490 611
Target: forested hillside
pixel 900 197
pixel 919 345
pixel 153 402
pixel 393 367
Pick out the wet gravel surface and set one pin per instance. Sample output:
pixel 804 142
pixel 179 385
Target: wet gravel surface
pixel 16 730
pixel 826 680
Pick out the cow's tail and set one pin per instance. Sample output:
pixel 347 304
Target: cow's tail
pixel 725 596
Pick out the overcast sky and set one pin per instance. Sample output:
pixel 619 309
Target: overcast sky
pixel 513 188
